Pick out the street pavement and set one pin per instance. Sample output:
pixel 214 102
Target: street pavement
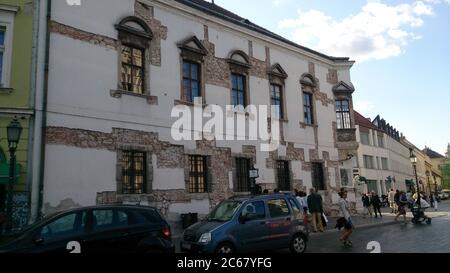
pixel 391 236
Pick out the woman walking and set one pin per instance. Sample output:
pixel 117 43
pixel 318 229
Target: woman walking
pixel 345 221
pixel 403 202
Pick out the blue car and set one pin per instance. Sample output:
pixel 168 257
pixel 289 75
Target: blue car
pixel 245 224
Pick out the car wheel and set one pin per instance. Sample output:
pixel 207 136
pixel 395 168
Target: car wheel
pixel 225 248
pixel 298 244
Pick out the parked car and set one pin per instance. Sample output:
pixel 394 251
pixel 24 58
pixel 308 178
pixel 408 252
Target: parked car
pixel 99 229
pixel 443 195
pixel 249 224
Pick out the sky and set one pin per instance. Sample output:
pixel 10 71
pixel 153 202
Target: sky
pixel 401 49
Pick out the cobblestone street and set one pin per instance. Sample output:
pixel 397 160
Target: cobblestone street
pixel 394 238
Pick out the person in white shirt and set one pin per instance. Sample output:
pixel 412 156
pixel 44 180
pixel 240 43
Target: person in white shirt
pixel 346 220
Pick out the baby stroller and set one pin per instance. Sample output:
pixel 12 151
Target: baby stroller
pixel 419 213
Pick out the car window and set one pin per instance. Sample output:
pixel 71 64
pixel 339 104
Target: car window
pixel 278 208
pixel 256 207
pixel 146 217
pixel 69 225
pixel 104 219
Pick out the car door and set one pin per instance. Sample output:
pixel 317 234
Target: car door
pixel 252 233
pixel 279 223
pixel 58 234
pixel 108 231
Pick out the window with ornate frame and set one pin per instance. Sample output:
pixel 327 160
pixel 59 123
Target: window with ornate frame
pixel 308 83
pixel 239 66
pixel 277 77
pixel 192 58
pixel 134 59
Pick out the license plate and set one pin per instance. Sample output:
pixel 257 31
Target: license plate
pixel 186 246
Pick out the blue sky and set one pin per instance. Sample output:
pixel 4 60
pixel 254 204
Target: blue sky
pixel 402 50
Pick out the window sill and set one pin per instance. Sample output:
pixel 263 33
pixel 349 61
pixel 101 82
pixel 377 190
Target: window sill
pixel 188 103
pixel 152 100
pixel 6 91
pixel 304 125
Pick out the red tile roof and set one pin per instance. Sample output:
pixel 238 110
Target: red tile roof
pixel 362 121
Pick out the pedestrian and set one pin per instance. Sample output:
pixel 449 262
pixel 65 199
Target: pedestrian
pixel 435 202
pixel 301 197
pixel 315 207
pixel 403 202
pixel 392 201
pixel 345 221
pixel 376 203
pixel 367 203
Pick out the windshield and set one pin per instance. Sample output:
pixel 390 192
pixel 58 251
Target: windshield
pixel 224 212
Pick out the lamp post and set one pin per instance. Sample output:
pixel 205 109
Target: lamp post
pixel 427 173
pixel 413 159
pixel 14 130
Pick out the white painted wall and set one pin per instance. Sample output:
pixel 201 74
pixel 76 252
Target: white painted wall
pixel 398 160
pixel 77 174
pixel 81 76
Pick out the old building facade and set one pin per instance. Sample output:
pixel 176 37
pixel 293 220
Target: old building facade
pixel 383 159
pixel 113 82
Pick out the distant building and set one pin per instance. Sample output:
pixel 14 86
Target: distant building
pixel 383 160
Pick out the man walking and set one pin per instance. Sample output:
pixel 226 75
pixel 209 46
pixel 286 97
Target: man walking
pixel 315 207
pixel 376 202
pixel 367 203
pixel 391 200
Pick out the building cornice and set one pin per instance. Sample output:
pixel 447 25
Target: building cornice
pixel 16 111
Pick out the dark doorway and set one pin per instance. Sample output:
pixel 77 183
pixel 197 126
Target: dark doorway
pixel 317 176
pixel 283 174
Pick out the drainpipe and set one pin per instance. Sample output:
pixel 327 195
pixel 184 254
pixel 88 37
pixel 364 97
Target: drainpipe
pixel 40 105
pixel 44 109
pixel 32 103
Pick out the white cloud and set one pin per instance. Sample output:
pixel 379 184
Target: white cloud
pixel 378 31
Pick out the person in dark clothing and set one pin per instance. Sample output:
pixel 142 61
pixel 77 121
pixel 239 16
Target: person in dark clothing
pixel 315 207
pixel 367 203
pixel 397 197
pixel 376 203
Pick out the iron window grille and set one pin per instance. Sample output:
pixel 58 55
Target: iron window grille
pixel 283 173
pixel 242 174
pixel 198 174
pixel 318 176
pixel 134 172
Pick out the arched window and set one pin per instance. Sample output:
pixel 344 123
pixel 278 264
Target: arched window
pixel 239 67
pixel 134 48
pixel 309 85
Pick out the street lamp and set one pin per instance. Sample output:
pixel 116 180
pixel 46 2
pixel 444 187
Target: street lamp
pixel 14 130
pixel 427 173
pixel 413 159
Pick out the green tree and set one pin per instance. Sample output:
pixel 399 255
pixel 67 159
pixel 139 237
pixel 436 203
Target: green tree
pixel 446 171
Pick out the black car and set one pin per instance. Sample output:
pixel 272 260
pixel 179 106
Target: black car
pixel 100 229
